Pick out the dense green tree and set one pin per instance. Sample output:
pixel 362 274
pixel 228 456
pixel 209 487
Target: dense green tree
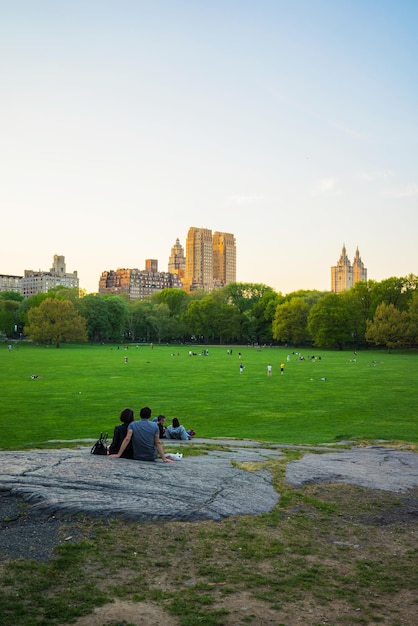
pixel 176 300
pixel 11 295
pixel 93 309
pixel 310 296
pixel 413 319
pixel 391 291
pixel 137 324
pixel 117 312
pixel 212 319
pixel 68 293
pixel 330 324
pixel 9 316
pixel 55 321
pixel 194 320
pixel 358 303
pixel 106 316
pixel 262 314
pixel 164 326
pixel 410 283
pixel 244 295
pixel 30 303
pixel 389 327
pixel 131 326
pixel 290 322
pixel 220 319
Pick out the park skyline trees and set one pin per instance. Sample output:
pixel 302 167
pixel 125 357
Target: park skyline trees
pixel 370 313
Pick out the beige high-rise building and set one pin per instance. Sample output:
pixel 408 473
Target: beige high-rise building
pixel 224 259
pixel 344 275
pixel 199 260
pixel 177 260
pixel 210 259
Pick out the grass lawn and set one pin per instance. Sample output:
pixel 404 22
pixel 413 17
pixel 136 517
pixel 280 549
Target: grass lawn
pixel 335 554
pixel 82 389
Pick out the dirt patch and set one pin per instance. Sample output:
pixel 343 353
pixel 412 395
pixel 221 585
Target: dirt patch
pixel 132 613
pixel 243 609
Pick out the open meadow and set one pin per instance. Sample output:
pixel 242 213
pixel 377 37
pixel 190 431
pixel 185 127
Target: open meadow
pixel 81 389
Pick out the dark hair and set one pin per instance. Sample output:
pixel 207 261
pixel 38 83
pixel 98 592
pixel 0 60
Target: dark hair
pixel 145 413
pixel 127 416
pixel 160 418
pixel 176 423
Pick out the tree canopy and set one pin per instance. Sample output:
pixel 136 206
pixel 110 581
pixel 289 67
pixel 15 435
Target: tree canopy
pixel 238 313
pixel 55 321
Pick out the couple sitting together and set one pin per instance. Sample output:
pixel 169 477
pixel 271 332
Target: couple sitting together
pixel 140 440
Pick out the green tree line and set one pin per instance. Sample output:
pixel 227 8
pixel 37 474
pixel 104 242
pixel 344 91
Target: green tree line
pixel 370 313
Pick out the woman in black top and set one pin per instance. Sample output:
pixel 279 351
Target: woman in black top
pixel 119 434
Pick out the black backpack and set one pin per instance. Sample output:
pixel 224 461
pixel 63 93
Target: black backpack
pixel 100 447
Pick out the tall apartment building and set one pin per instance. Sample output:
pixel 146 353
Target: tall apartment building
pixel 210 259
pixel 344 275
pixel 199 260
pixel 138 283
pixel 224 259
pixel 177 260
pixel 42 282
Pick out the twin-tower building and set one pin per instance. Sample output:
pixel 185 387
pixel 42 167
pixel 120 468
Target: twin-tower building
pixel 210 260
pixel 344 275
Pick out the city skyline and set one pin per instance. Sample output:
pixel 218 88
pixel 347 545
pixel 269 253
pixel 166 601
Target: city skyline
pixel 214 251
pixel 292 126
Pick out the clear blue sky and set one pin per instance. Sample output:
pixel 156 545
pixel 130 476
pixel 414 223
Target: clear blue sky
pixel 292 124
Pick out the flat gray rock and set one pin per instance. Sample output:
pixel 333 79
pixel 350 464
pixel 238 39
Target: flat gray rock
pixel 206 487
pixel 373 467
pixel 64 482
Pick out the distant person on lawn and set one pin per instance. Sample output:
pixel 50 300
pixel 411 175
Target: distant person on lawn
pixel 145 436
pixel 119 434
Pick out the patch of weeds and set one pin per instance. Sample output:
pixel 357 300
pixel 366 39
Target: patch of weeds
pixel 249 466
pixel 387 577
pixel 188 609
pixel 39 596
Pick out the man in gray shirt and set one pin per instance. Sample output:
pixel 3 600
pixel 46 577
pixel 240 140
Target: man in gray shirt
pixel 145 437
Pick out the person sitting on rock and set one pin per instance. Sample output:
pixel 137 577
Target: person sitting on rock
pixel 160 424
pixel 119 434
pixel 145 437
pixel 176 431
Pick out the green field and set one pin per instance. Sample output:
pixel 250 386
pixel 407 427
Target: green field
pixel 82 389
